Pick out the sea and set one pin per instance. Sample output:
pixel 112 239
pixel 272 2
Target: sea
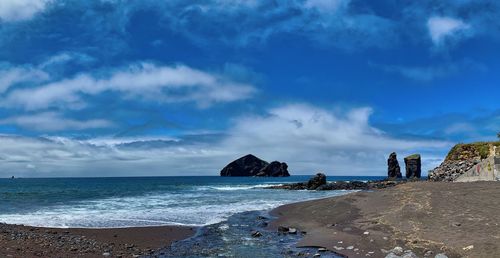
pixel 144 201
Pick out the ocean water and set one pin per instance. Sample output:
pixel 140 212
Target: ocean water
pixel 143 201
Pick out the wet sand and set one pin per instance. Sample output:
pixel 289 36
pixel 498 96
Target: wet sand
pixel 23 241
pixel 428 218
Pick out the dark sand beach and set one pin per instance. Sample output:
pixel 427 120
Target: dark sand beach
pixel 23 241
pixel 428 218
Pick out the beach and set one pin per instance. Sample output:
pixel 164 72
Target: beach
pixel 24 241
pixel 428 218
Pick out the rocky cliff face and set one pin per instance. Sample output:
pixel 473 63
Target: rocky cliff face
pixel 250 165
pixel 463 157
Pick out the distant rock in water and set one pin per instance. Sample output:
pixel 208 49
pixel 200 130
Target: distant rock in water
pixel 250 165
pixel 316 181
pixel 393 170
pixel 413 165
pixel 274 169
pixel 319 183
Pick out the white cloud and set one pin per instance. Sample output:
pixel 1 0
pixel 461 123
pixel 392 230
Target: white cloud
pixel 51 121
pixel 308 138
pixel 17 10
pixel 13 75
pixel 441 28
pixel 162 84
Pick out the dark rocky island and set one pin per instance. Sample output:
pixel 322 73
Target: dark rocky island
pixel 393 169
pixel 250 165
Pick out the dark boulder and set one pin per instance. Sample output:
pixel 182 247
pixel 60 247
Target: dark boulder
pixel 274 169
pixel 317 181
pixel 248 165
pixel 394 171
pixel 413 166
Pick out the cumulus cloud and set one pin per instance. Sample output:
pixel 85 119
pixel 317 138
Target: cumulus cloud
pixel 164 84
pixel 17 10
pixel 442 28
pixel 308 138
pixel 51 121
pixel 11 76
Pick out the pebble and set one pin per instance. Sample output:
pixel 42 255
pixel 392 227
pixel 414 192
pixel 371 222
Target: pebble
pixel 292 231
pixel 106 254
pixel 366 233
pixel 440 256
pixel 350 247
pixel 316 255
pixel 322 249
pixel 467 248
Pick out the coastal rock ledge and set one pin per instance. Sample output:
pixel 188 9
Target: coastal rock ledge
pixel 319 183
pixel 250 165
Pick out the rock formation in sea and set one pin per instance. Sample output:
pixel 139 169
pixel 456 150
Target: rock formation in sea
pixel 274 169
pixel 413 166
pixel 250 165
pixel 318 180
pixel 319 183
pixel 393 171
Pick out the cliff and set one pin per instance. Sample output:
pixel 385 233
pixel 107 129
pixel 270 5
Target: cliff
pixel 472 159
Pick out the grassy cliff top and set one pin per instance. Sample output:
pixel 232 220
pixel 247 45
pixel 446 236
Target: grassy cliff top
pixel 413 156
pixel 476 150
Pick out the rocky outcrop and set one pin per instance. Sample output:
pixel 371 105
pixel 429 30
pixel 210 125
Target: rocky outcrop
pixel 274 169
pixel 451 170
pixel 250 165
pixel 316 181
pixel 319 183
pixel 413 166
pixel 462 158
pixel 393 169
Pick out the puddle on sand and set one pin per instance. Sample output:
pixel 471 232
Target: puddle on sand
pixel 233 238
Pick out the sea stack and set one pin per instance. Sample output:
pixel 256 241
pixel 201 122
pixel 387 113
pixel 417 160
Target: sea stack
pixel 413 166
pixel 250 165
pixel 393 171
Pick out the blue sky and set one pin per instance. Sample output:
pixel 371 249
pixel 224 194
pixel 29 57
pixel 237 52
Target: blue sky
pixel 111 87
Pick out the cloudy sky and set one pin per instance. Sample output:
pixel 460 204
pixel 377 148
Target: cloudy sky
pixel 181 87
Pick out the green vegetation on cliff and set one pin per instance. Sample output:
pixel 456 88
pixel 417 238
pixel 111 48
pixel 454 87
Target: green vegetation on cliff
pixel 474 150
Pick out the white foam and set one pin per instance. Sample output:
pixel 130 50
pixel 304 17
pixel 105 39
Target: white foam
pixel 193 208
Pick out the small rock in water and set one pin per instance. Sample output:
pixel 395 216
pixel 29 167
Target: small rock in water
pixel 282 229
pixel 292 231
pixel 409 254
pixel 322 249
pixel 316 255
pixel 398 250
pixel 256 234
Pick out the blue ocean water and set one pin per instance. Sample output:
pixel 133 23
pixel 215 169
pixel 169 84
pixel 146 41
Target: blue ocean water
pixel 143 201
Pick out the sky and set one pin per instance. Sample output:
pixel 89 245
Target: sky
pixel 181 87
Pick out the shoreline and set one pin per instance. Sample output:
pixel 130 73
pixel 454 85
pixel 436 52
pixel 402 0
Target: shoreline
pixel 27 241
pixel 426 218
